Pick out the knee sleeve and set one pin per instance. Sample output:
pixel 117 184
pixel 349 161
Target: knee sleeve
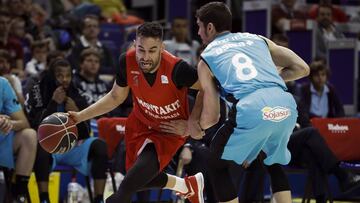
pixel 279 181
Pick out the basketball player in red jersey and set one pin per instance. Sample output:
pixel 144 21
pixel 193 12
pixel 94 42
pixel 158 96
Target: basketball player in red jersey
pixel 159 82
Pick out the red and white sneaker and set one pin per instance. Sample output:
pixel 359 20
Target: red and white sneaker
pixel 195 186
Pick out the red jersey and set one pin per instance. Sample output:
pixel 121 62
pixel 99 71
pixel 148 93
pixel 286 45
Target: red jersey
pixel 162 101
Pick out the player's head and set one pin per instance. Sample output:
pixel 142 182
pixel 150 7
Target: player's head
pixel 319 74
pixel 213 18
pixel 4 62
pixel 61 70
pixel 148 46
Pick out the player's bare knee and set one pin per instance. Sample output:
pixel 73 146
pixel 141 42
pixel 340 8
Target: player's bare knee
pixel 28 138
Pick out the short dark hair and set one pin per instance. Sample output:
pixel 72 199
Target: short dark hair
pixel 280 37
pixel 5 55
pixel 89 16
pixel 39 44
pixel 87 52
pixel 58 63
pixel 53 55
pixel 216 13
pixel 150 29
pixel 324 5
pixel 318 66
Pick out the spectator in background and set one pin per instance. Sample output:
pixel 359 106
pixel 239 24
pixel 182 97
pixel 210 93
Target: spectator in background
pixel 32 80
pixel 17 31
pixel 319 97
pixel 115 11
pixel 326 30
pixel 181 45
pixel 87 80
pixel 12 45
pixel 5 71
pixel 55 92
pixel 338 15
pixel 283 13
pixel 89 38
pixel 37 64
pixel 17 139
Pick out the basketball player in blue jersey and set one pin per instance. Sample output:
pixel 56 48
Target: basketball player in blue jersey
pixel 249 71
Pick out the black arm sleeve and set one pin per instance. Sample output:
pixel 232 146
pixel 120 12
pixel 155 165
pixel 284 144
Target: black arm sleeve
pixel 184 75
pixel 120 72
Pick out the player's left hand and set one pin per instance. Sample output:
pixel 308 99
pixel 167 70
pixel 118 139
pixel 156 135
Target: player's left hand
pixel 195 130
pixel 177 127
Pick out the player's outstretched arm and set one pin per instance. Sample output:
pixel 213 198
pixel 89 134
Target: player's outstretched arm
pixel 111 100
pixel 294 67
pixel 210 113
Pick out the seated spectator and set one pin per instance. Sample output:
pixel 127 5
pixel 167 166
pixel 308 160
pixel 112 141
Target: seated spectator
pixel 5 71
pixel 181 45
pixel 17 139
pixel 326 30
pixel 39 50
pixel 89 156
pixel 338 15
pixel 89 39
pixel 17 31
pixel 32 80
pixel 87 80
pixel 12 45
pixel 319 97
pixel 283 13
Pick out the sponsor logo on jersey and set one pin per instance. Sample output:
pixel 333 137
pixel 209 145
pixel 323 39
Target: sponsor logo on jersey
pixel 120 128
pixel 275 114
pixel 135 72
pixel 164 79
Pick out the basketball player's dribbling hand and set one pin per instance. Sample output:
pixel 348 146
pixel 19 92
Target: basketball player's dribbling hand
pixel 74 116
pixel 177 127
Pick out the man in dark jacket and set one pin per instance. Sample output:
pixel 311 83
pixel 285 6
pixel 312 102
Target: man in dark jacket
pixel 55 92
pixel 319 97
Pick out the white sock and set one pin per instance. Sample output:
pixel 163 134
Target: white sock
pixel 180 185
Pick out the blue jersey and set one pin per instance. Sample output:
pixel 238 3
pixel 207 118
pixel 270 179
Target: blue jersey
pixel 242 64
pixel 8 101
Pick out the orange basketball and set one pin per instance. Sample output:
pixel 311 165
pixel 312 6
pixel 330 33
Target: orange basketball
pixel 57 133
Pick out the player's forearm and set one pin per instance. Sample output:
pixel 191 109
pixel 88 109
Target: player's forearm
pixel 102 106
pixel 19 124
pixel 294 66
pixel 210 113
pixel 196 111
pixel 294 72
